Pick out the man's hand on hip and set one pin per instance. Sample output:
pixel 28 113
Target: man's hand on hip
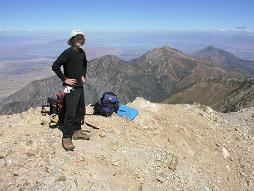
pixel 71 82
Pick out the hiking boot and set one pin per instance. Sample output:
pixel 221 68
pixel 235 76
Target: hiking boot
pixel 67 144
pixel 80 135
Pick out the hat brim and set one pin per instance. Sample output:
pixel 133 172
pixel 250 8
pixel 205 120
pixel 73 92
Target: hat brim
pixel 69 41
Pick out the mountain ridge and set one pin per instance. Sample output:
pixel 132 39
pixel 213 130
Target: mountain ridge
pixel 153 76
pixel 222 94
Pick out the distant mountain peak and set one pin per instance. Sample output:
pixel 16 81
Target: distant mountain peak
pixel 168 49
pixel 211 51
pixel 164 52
pixel 109 56
pixel 224 58
pixel 110 59
pixel 211 47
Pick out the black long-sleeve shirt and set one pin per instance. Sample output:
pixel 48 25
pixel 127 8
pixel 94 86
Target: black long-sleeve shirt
pixel 74 63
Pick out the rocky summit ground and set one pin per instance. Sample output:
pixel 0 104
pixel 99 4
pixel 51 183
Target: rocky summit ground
pixel 166 147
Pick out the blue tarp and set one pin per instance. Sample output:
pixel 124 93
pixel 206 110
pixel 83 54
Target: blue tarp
pixel 125 110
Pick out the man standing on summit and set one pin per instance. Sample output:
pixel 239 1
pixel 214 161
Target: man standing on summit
pixel 74 62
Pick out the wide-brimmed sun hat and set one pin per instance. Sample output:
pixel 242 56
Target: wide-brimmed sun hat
pixel 74 33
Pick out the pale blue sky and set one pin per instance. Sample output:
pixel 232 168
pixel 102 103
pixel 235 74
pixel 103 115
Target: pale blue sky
pixel 126 15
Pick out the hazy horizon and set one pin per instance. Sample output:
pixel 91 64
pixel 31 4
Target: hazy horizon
pixel 48 43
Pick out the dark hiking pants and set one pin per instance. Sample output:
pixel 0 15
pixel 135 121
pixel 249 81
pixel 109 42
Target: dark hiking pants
pixel 74 111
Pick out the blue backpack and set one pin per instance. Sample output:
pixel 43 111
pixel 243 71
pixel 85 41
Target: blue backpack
pixel 106 105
